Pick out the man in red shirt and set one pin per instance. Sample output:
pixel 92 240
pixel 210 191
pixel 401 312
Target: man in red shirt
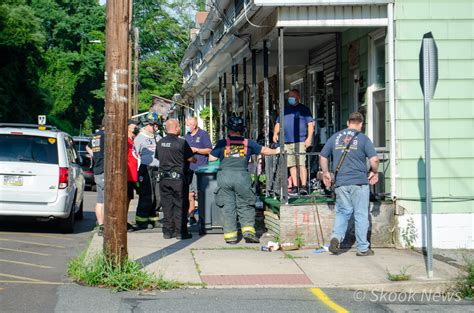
pixel 132 165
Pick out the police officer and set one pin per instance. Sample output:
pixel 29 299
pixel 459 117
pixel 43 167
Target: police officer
pixel 174 154
pixel 145 145
pixel 234 193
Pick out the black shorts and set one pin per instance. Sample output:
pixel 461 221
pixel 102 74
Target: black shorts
pixel 130 190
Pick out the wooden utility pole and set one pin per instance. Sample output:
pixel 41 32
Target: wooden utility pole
pixel 130 14
pixel 135 73
pixel 116 110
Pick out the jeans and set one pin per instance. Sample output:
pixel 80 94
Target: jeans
pixel 349 199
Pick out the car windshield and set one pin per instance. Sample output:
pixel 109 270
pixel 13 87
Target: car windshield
pixel 23 148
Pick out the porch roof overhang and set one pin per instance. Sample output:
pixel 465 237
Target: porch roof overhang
pixel 281 3
pixel 333 16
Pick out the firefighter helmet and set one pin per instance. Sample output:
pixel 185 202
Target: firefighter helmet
pixel 236 123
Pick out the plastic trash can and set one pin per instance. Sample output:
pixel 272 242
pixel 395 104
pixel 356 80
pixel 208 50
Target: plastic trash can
pixel 210 215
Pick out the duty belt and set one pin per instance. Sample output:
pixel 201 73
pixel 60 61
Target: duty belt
pixel 170 174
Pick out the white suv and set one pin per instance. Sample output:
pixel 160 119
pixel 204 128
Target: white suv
pixel 40 174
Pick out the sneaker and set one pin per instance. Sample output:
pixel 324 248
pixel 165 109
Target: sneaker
pixel 192 220
pixel 303 191
pixel 184 236
pixel 369 252
pixel 334 246
pixel 251 238
pixel 293 192
pixel 231 241
pixel 150 226
pixel 100 232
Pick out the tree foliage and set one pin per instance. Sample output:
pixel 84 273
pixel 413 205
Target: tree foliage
pixel 52 57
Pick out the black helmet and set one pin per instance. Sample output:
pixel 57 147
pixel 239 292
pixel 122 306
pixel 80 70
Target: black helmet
pixel 236 123
pixel 150 118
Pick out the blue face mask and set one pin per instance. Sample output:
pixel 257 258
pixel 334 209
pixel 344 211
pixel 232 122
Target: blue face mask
pixel 188 130
pixel 291 100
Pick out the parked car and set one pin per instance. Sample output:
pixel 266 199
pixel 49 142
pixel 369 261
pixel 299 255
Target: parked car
pixel 81 143
pixel 40 175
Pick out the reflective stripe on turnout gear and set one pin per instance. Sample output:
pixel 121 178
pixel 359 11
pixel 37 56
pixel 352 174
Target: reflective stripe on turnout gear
pixel 248 229
pixel 230 235
pixel 140 219
pixel 153 218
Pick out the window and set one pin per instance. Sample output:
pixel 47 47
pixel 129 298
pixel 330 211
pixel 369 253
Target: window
pixel 376 114
pixel 35 149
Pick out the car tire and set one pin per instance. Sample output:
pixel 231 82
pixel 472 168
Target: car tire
pixel 66 225
pixel 80 214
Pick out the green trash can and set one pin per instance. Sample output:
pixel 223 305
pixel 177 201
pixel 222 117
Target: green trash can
pixel 210 215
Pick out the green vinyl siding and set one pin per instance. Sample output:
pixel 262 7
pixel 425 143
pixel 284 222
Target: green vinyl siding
pixel 451 110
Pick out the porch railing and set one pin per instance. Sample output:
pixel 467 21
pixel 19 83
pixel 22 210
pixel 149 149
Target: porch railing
pixel 276 174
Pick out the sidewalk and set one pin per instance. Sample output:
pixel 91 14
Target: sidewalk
pixel 208 260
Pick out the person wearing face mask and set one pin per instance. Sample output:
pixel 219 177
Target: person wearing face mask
pixel 132 165
pixel 298 129
pixel 200 143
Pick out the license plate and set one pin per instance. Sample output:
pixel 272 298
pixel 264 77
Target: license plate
pixel 10 180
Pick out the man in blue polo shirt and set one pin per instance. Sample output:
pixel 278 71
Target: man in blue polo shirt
pixel 298 127
pixel 200 142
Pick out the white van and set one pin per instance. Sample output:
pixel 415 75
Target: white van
pixel 40 174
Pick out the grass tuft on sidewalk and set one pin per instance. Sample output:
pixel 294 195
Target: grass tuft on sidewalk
pixel 97 271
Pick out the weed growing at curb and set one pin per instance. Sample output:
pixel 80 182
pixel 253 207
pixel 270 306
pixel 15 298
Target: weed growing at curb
pixel 299 241
pixel 402 276
pixel 97 271
pixel 465 283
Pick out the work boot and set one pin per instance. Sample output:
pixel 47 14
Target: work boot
pixel 369 252
pixel 140 226
pixel 130 228
pixel 334 246
pixel 168 236
pixel 251 238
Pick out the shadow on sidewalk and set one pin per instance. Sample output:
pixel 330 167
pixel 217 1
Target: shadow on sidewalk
pixel 166 251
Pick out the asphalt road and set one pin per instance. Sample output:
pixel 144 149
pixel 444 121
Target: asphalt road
pixel 33 262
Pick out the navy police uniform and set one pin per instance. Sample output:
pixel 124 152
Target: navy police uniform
pixel 173 153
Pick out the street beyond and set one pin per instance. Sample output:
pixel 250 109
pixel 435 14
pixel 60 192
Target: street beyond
pixel 34 260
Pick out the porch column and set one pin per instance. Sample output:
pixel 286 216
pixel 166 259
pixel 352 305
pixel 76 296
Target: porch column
pixel 221 135
pixel 211 122
pixel 281 103
pixel 233 89
pixel 254 94
pixel 266 96
pixel 391 101
pixel 245 94
pixel 225 97
pixel 266 120
pixel 237 103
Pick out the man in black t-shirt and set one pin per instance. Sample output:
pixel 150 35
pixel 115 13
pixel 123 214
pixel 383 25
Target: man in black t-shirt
pixel 174 154
pixel 96 150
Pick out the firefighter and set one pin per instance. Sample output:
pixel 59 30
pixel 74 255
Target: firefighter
pixel 234 193
pixel 175 155
pixel 145 145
